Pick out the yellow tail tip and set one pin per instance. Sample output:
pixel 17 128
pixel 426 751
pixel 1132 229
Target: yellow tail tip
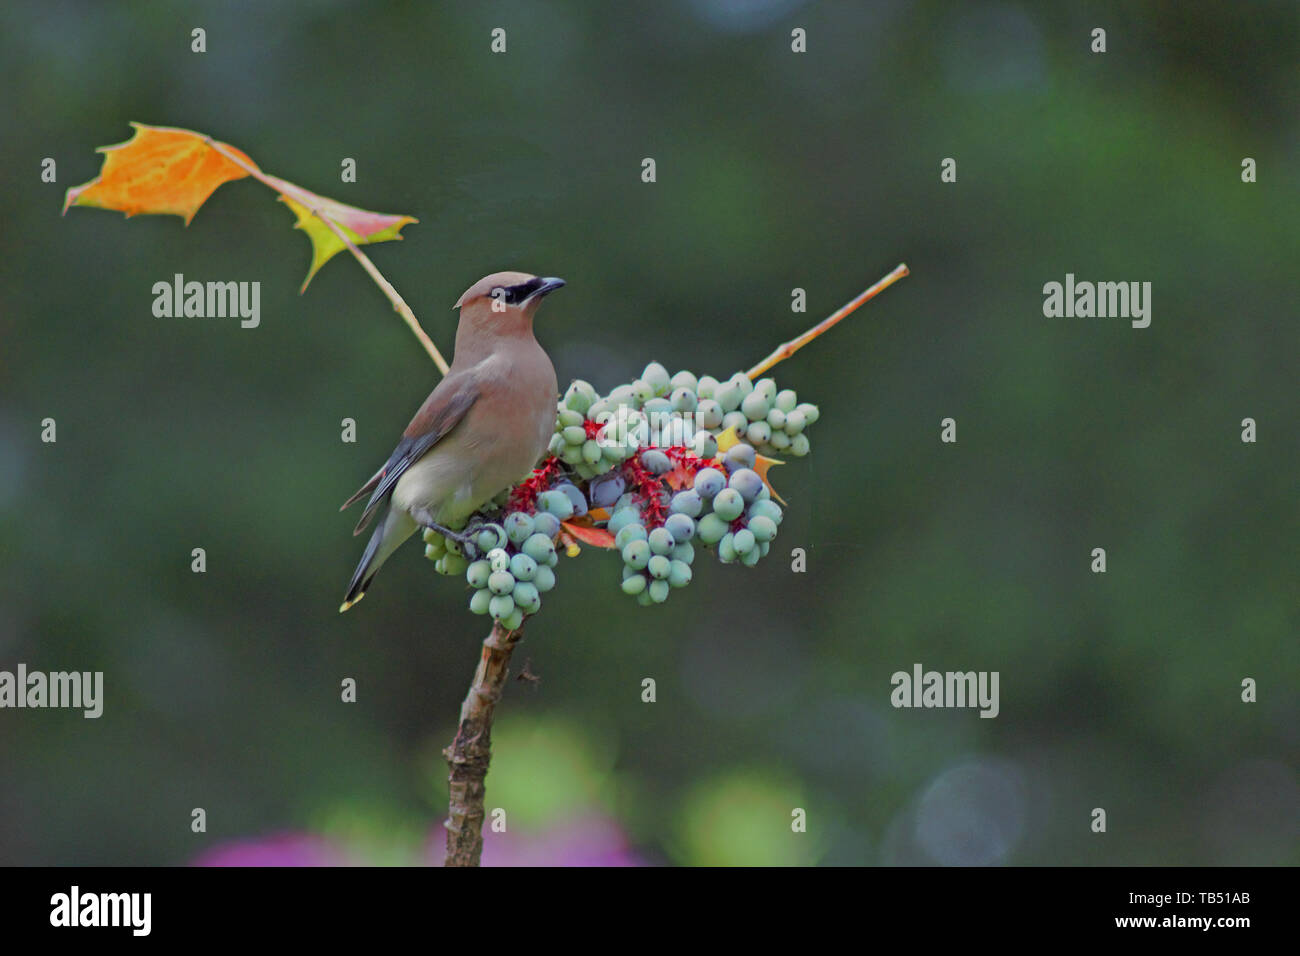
pixel 347 604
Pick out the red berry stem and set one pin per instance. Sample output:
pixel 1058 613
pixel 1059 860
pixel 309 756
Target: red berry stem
pixel 524 495
pixel 647 487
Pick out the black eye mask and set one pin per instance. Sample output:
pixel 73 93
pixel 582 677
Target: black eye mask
pixel 515 294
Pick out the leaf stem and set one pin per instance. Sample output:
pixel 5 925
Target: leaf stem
pixel 784 351
pixel 386 287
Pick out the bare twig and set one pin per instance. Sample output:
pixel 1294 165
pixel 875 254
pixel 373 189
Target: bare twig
pixel 470 752
pixel 386 287
pixel 527 676
pixel 794 345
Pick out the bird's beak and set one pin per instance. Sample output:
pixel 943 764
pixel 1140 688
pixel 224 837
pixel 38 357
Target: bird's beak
pixel 548 286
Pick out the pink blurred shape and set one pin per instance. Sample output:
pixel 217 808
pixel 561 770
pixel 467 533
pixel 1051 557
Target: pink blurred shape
pixel 587 841
pixel 281 849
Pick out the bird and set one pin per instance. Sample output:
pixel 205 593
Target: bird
pixel 481 430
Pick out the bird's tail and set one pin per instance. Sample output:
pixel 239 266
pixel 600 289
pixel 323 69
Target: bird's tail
pixel 389 534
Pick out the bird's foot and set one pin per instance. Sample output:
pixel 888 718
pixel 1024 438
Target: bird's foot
pixel 468 540
pixel 462 538
pixel 475 532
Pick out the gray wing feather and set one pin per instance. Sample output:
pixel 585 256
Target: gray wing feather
pixel 441 413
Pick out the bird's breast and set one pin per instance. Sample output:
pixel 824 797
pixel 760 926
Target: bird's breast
pixel 498 442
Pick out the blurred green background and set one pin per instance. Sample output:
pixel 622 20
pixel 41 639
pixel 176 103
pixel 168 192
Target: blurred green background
pixel 775 170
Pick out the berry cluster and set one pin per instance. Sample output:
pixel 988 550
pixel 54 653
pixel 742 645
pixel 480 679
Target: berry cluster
pixel 652 469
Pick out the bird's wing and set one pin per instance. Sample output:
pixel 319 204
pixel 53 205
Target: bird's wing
pixel 441 412
pixel 364 490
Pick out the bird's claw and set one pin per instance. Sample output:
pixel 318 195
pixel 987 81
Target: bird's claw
pixel 477 526
pixel 462 538
pixel 467 540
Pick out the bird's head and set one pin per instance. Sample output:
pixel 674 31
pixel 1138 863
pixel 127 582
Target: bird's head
pixel 504 292
pixel 498 308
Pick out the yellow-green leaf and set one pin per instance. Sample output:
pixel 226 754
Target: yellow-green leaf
pixel 361 226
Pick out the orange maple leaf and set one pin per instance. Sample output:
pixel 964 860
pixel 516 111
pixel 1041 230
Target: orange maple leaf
pixel 159 170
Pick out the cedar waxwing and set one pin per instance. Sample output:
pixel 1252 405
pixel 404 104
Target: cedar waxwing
pixel 480 431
